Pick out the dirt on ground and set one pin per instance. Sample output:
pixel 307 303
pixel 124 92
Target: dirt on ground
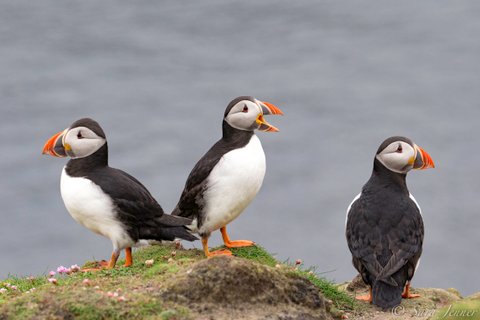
pixel 247 291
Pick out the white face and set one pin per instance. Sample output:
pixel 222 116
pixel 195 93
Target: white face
pixel 398 157
pixel 244 115
pixel 81 142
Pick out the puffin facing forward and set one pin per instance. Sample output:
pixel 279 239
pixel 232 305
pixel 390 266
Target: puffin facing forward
pixel 384 226
pixel 105 200
pixel 227 178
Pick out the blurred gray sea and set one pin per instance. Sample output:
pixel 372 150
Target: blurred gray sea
pixel 158 75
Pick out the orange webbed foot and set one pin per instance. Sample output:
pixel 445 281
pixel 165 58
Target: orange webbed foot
pixel 366 298
pixel 98 265
pixel 239 244
pixel 101 265
pixel 236 243
pixel 223 252
pixel 406 293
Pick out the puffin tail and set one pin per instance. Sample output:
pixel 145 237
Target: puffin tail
pixel 168 227
pixel 169 220
pixel 173 233
pixel 385 295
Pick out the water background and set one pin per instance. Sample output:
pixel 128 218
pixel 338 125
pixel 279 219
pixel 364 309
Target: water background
pixel 158 75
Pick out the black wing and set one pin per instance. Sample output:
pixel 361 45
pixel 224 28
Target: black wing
pixel 191 201
pixel 136 207
pixel 384 237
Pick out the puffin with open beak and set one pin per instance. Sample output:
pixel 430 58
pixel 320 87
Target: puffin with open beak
pixel 228 177
pixel 384 226
pixel 106 200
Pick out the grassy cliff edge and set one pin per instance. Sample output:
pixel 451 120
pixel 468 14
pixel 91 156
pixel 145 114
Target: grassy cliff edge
pixel 166 282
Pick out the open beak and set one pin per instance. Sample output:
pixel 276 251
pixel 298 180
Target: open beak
pixel 54 145
pixel 422 159
pixel 267 108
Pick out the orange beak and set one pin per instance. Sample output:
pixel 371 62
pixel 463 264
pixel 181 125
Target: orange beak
pixel 54 146
pixel 267 108
pixel 422 159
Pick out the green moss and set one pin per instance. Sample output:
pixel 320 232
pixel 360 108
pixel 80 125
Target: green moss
pixel 255 253
pixel 329 289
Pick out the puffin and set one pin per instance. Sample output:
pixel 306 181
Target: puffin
pixel 105 200
pixel 384 226
pixel 228 177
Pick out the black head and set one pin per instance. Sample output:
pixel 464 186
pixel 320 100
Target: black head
pixel 82 139
pixel 399 154
pixel 246 113
pixel 90 124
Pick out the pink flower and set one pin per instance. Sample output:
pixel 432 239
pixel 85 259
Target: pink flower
pixel 75 268
pixel 299 261
pixel 87 282
pixel 53 281
pixel 62 269
pixel 52 273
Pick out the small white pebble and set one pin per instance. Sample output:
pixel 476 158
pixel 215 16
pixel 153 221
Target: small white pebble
pixel 149 263
pixel 96 287
pixel 3 290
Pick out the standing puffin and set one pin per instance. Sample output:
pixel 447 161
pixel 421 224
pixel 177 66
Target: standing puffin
pixel 105 200
pixel 227 178
pixel 384 226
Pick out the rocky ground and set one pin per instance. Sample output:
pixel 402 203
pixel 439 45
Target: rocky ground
pixel 433 303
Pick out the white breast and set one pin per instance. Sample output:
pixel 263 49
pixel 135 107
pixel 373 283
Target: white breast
pixel 233 184
pixel 91 207
pixel 350 207
pixel 416 203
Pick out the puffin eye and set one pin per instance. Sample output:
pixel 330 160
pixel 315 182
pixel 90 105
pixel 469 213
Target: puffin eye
pixel 245 109
pixel 399 149
pixel 79 135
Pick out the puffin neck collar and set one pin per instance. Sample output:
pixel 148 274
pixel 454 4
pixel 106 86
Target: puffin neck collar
pixel 231 133
pixel 81 166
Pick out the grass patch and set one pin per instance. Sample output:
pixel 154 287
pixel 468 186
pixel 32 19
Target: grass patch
pixel 467 309
pixel 129 293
